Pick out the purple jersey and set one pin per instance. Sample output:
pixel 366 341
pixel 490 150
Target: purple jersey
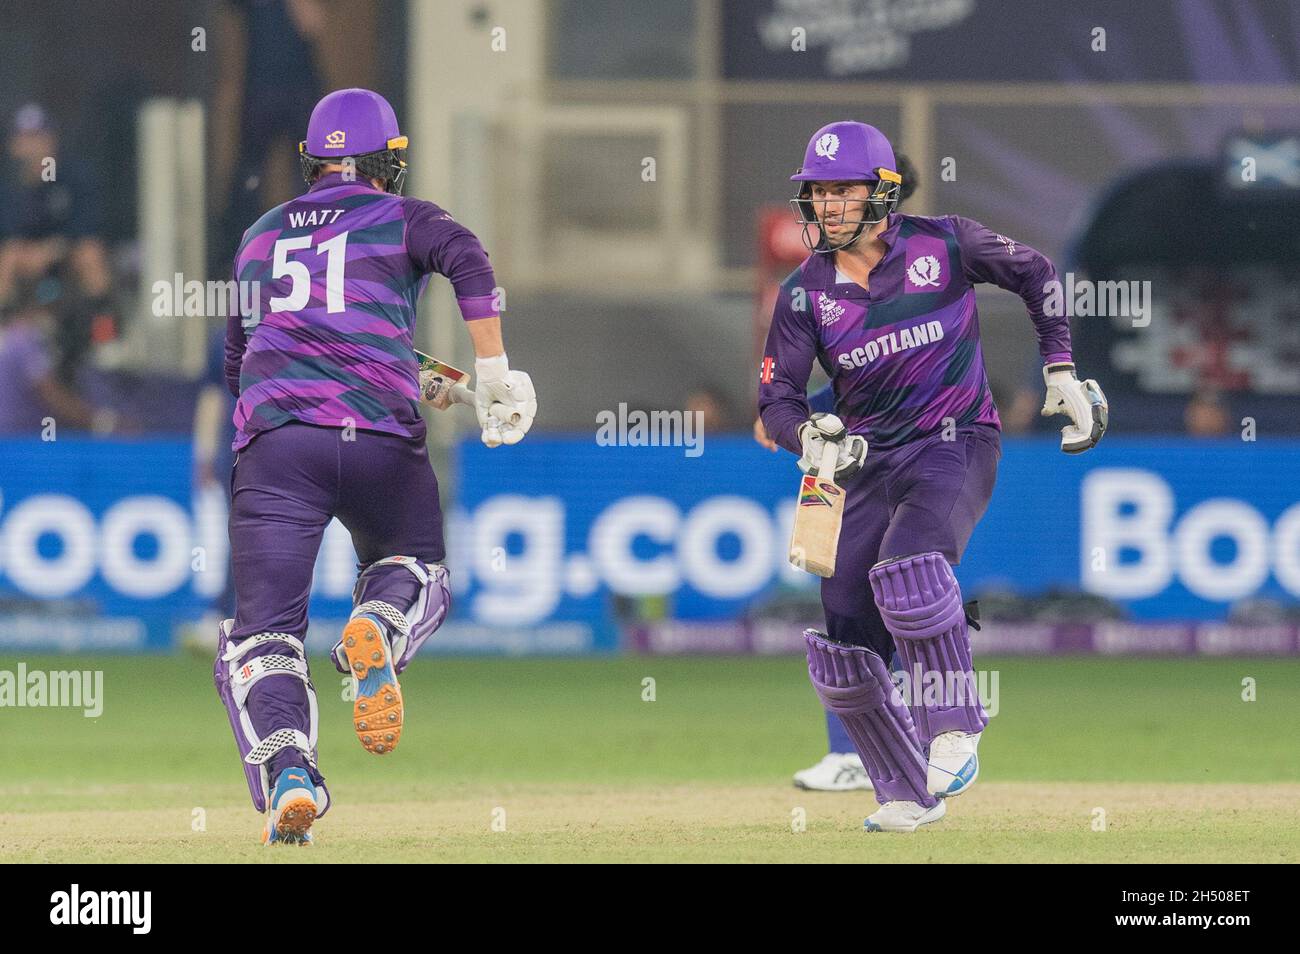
pixel 340 270
pixel 905 355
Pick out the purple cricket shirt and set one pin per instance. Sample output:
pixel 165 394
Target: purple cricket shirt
pixel 341 269
pixel 905 355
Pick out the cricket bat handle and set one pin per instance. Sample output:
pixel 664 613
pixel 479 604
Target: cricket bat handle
pixel 497 409
pixel 504 414
pixel 830 455
pixel 461 395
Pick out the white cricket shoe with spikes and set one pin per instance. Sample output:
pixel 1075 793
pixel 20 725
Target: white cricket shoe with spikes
pixel 903 816
pixel 836 772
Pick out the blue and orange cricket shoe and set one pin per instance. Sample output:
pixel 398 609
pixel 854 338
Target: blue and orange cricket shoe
pixel 376 697
pixel 292 809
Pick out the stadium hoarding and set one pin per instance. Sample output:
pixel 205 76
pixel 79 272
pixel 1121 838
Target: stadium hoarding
pixel 559 545
pixel 964 41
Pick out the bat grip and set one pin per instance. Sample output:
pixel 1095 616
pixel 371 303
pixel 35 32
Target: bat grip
pixel 459 395
pixel 830 455
pixel 498 410
pixel 504 414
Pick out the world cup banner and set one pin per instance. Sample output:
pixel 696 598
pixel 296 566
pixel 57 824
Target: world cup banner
pixel 1112 41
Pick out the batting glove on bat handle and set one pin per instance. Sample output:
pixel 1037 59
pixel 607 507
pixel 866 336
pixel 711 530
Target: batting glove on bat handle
pixel 822 429
pixel 505 400
pixel 1082 401
pixel 460 394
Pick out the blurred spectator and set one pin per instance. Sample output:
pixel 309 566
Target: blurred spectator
pixel 214 460
pixel 49 239
pixel 1207 415
pixel 30 387
pixel 1020 400
pixel 1020 414
pixel 268 85
pixel 214 423
pixel 716 414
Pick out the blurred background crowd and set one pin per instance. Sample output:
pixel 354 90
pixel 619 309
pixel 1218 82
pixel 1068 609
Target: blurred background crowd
pixel 627 164
pixel 1115 162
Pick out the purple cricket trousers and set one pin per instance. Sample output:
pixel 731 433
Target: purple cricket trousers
pixel 287 485
pixel 926 495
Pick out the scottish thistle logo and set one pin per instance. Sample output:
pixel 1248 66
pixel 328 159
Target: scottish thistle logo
pixel 827 145
pixel 924 272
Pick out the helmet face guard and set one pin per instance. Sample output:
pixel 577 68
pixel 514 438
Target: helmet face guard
pixel 882 200
pixel 388 164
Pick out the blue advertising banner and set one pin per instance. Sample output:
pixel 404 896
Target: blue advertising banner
pixel 110 545
pixel 557 543
pixel 1171 529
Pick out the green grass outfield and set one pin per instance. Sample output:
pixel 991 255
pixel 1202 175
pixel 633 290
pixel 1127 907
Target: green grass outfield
pixel 580 768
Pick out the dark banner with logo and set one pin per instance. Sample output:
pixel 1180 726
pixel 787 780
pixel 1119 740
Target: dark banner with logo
pixel 1112 41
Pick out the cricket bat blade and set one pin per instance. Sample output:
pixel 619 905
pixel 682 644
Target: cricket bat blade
pixel 818 513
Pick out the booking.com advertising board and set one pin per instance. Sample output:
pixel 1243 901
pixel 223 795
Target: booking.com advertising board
pixel 105 544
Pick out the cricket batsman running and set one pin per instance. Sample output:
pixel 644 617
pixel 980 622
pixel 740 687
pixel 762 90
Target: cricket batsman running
pixel 328 425
pixel 886 304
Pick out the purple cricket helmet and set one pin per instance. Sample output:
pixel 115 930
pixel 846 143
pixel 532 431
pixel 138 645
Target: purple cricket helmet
pixel 359 125
pixel 840 152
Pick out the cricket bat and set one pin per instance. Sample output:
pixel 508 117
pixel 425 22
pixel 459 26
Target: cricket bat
pixel 817 516
pixel 438 382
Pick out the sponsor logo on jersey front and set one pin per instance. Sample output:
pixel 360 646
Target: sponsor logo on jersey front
pixel 892 342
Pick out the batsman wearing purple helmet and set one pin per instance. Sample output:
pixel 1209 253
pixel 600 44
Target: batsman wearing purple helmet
pixel 328 425
pixel 886 305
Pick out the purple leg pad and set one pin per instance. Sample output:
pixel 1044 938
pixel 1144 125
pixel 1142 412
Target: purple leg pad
pixel 409 597
pixel 273 705
pixel 854 684
pixel 920 602
pixel 253 774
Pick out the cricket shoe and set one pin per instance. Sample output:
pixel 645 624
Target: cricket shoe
pixel 293 809
pixel 954 764
pixel 376 697
pixel 903 816
pixel 836 772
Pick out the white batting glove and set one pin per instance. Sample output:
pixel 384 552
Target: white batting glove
pixel 822 428
pixel 505 401
pixel 1082 401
